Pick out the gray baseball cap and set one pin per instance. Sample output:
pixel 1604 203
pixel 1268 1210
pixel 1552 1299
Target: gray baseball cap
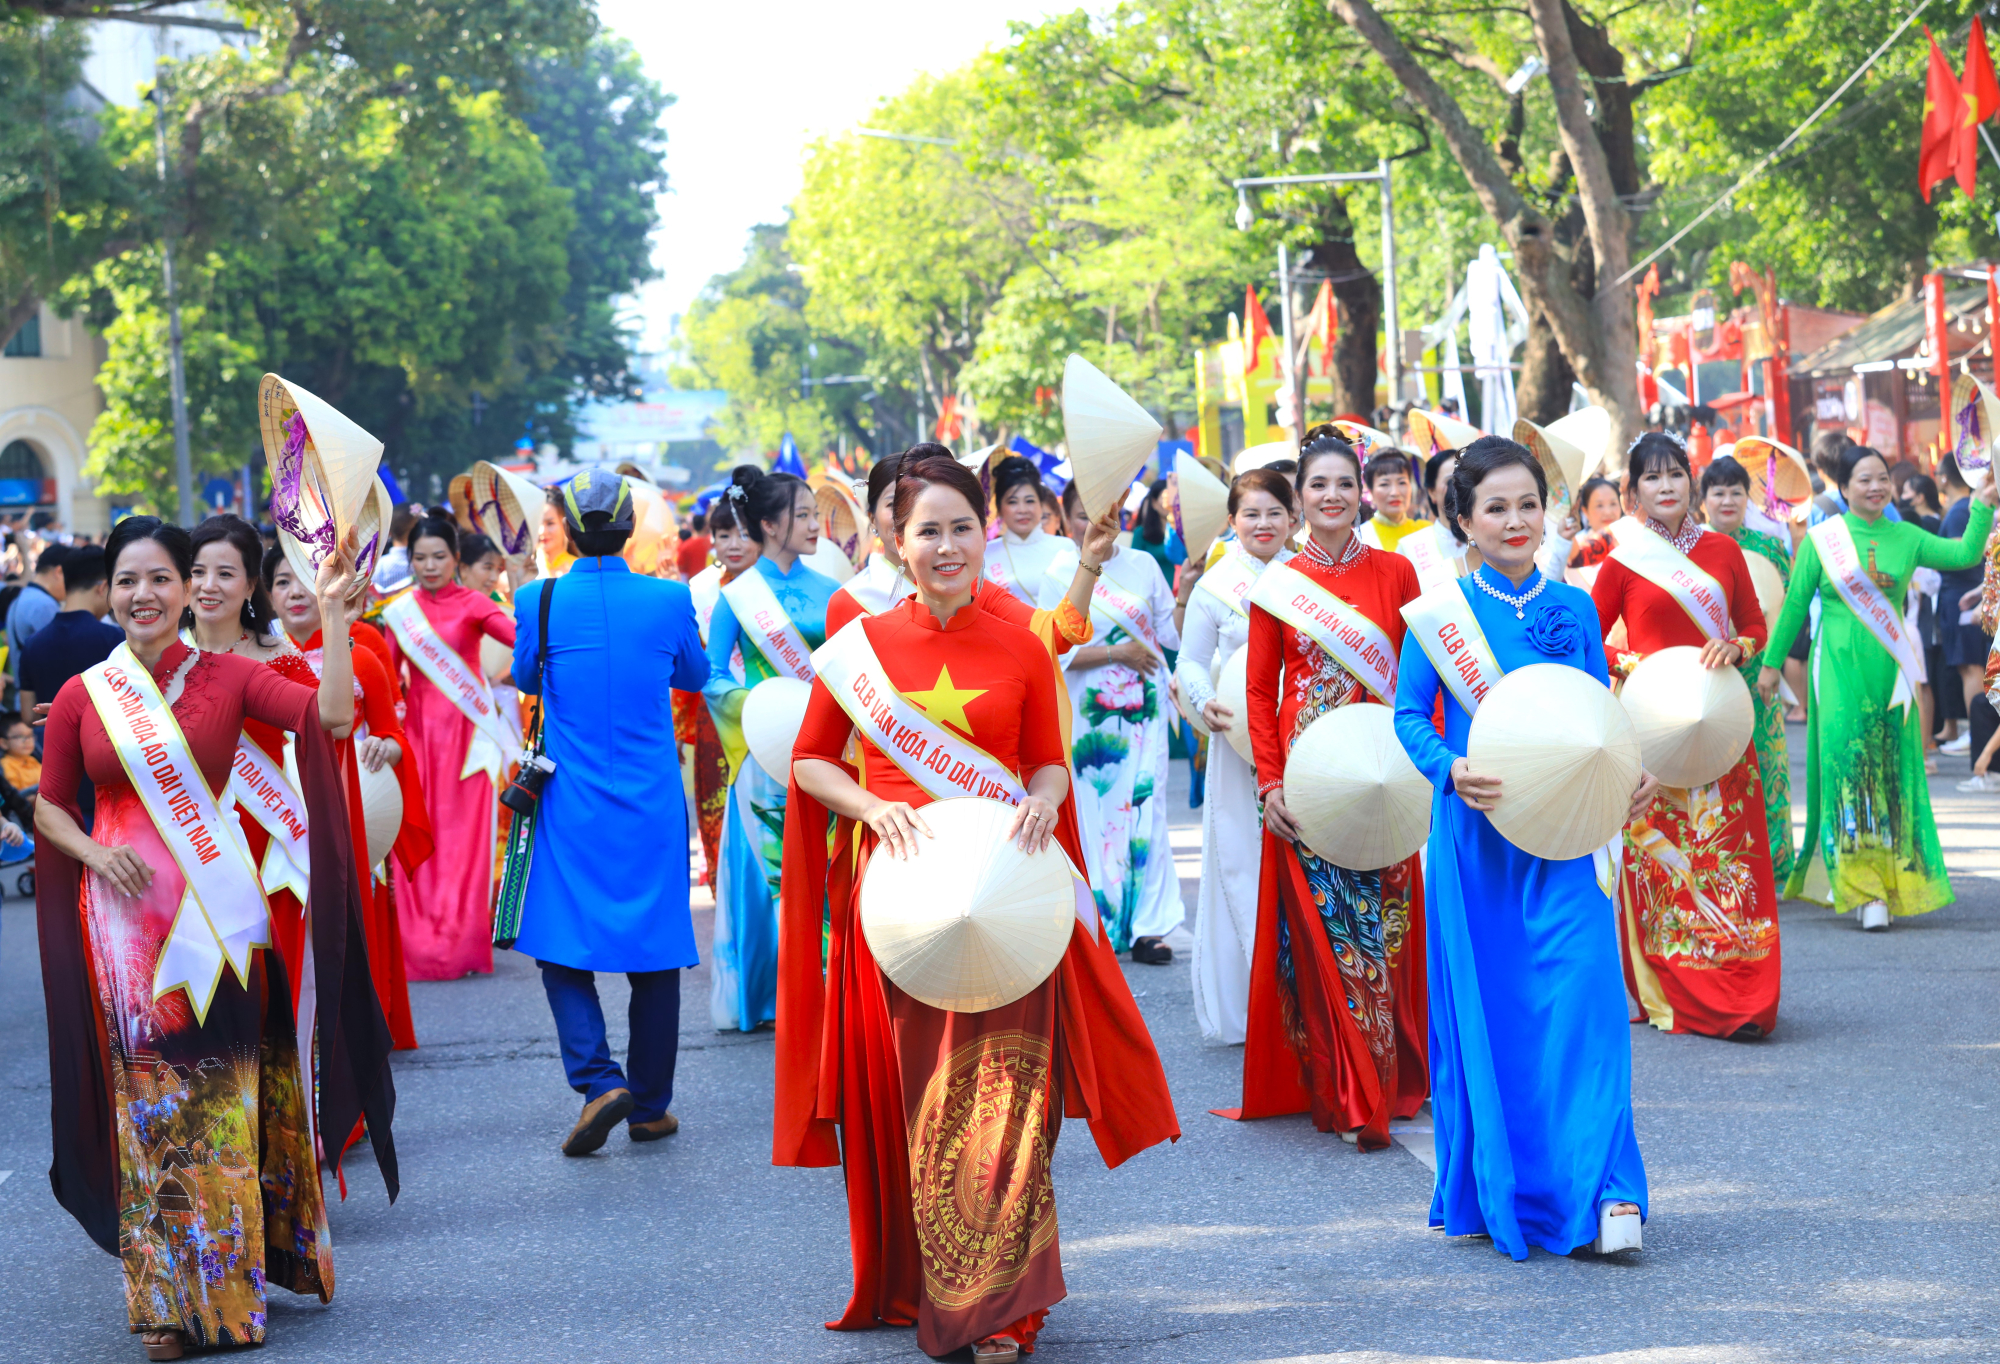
pixel 597 489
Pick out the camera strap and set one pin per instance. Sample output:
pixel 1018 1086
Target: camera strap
pixel 520 848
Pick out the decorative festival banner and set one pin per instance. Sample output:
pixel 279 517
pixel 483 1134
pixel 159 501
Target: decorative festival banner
pixel 1352 640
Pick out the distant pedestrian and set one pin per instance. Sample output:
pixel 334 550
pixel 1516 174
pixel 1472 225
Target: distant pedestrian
pixel 37 605
pixel 618 646
pixel 75 637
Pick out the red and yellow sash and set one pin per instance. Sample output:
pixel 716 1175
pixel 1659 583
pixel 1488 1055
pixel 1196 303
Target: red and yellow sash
pixel 1352 640
pixel 222 916
pixel 1648 554
pixel 1844 565
pixel 764 622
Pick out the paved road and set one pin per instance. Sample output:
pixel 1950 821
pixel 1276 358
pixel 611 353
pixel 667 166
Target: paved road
pixel 1827 1194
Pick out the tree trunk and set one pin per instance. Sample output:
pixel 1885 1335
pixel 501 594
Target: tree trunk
pixel 1357 297
pixel 1544 391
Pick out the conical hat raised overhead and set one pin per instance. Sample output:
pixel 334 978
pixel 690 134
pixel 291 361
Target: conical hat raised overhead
pixel 372 531
pixel 843 519
pixel 458 492
pixel 1110 437
pixel 1561 448
pixel 1975 416
pixel 1693 722
pixel 1359 801
pixel 772 714
pixel 1431 432
pixel 508 510
pixel 1257 456
pixel 1201 506
pixel 1770 585
pixel 1780 480
pixel 655 532
pixel 1232 690
pixel 629 468
pixel 320 463
pixel 1366 440
pixel 1589 430
pixel 381 810
pixel 971 922
pixel 1566 755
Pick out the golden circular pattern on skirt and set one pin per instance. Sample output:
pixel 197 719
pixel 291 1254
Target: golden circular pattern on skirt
pixel 979 1168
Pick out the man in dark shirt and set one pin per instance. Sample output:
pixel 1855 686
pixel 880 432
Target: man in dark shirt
pixel 75 639
pixel 35 607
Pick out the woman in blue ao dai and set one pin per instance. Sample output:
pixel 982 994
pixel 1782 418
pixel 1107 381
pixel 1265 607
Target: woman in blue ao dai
pixel 775 612
pixel 1531 1053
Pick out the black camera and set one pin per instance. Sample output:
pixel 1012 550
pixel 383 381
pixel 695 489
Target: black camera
pixel 524 793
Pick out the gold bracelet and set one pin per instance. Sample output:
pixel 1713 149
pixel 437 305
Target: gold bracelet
pixel 1094 570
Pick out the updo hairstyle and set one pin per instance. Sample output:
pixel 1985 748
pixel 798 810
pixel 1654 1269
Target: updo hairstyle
pixel 922 465
pixel 1476 463
pixel 1264 480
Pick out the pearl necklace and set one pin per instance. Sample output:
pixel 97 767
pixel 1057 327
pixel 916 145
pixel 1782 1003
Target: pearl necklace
pixel 1520 603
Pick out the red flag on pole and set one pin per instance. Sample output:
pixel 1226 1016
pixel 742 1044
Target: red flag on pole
pixel 1937 155
pixel 1327 322
pixel 1256 329
pixel 1979 93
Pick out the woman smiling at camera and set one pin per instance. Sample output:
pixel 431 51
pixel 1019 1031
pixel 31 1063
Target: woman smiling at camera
pixel 1531 1054
pixel 900 1092
pixel 184 1120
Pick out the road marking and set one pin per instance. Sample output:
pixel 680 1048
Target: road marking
pixel 4 1174
pixel 1415 1136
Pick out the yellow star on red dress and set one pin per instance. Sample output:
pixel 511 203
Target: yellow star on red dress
pixel 945 702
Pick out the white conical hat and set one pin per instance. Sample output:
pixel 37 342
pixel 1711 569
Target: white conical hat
pixel 381 810
pixel 655 532
pixel 1201 508
pixel 1770 585
pixel 1780 479
pixel 1433 431
pixel 628 468
pixel 1359 801
pixel 1589 429
pixel 1566 755
pixel 1975 415
pixel 1693 722
pixel 971 922
pixel 1232 689
pixel 1562 458
pixel 1257 456
pixel 458 492
pixel 1110 437
pixel 843 519
pixel 508 510
pixel 772 714
pixel 320 463
pixel 1366 440
pixel 372 531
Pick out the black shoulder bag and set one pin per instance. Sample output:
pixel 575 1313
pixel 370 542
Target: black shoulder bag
pixel 523 795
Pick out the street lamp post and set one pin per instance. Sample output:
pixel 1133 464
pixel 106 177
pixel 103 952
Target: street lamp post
pixel 176 361
pixel 1392 332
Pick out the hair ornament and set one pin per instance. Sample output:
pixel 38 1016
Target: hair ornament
pixel 1680 441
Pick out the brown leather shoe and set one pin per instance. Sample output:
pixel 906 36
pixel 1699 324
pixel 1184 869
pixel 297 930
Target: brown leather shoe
pixel 600 1115
pixel 654 1130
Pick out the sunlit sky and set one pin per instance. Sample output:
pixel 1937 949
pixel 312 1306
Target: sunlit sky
pixel 755 84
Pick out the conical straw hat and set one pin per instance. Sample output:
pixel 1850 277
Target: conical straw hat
pixel 381 810
pixel 1780 481
pixel 772 714
pixel 1770 585
pixel 1366 440
pixel 1359 801
pixel 626 468
pixel 1693 722
pixel 1110 437
pixel 971 922
pixel 1975 425
pixel 1589 430
pixel 458 493
pixel 508 509
pixel 1562 459
pixel 1566 755
pixel 320 463
pixel 1431 432
pixel 1201 507
pixel 1232 689
pixel 653 527
pixel 1257 456
pixel 371 533
pixel 843 520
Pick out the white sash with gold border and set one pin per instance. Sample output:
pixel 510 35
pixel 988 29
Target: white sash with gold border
pixel 878 586
pixel 1352 640
pixel 764 622
pixel 1449 634
pixel 1119 606
pixel 222 917
pixel 1845 567
pixel 259 784
pixel 1650 555
pixel 1234 574
pixel 1438 557
pixel 943 763
pixel 492 747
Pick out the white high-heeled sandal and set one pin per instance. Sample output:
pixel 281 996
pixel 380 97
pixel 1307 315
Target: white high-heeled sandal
pixel 1874 917
pixel 1616 1231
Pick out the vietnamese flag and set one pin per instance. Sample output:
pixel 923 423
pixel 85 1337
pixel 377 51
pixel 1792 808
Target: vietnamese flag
pixel 1256 329
pixel 1979 93
pixel 1937 155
